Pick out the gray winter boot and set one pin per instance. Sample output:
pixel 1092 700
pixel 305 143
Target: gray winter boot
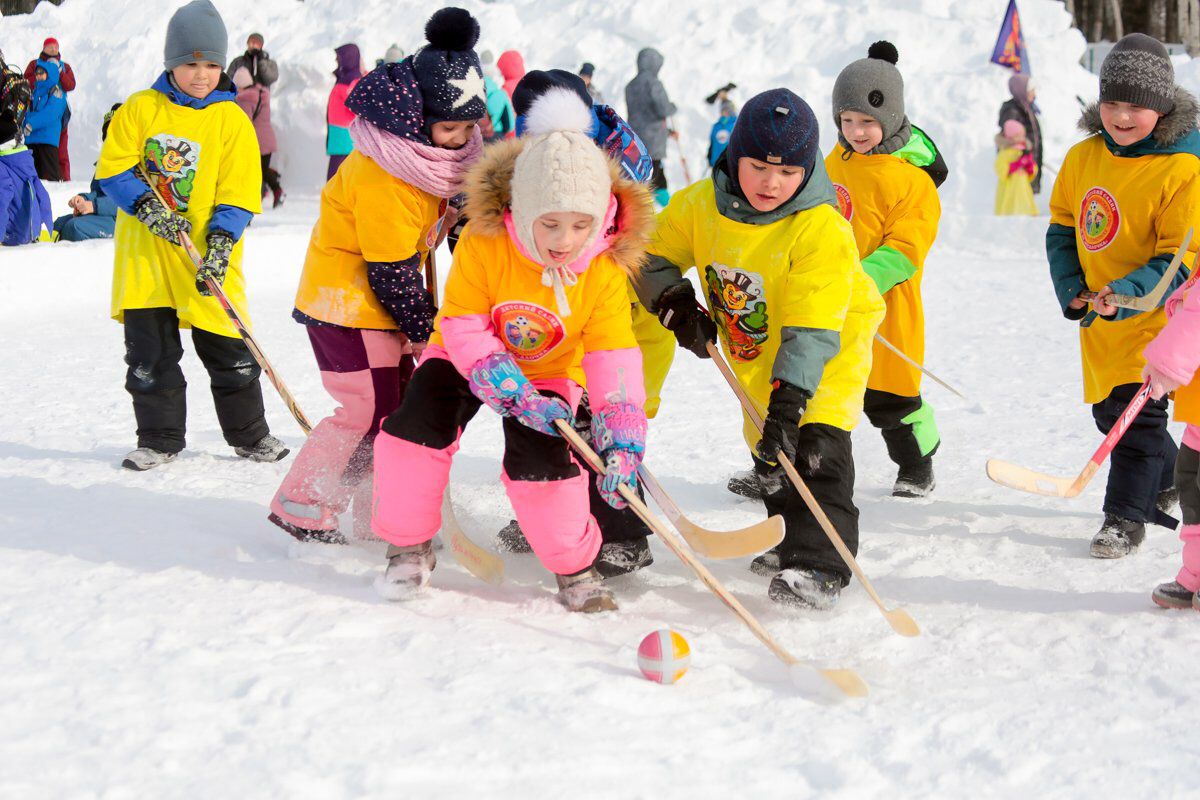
pixel 268 449
pixel 407 572
pixel 584 591
pixel 145 458
pixel 1117 537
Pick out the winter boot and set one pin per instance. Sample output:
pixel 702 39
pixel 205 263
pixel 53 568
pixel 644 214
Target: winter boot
pixel 1196 601
pixel 1118 537
pixel 407 572
pixel 268 449
pixel 277 196
pixel 622 558
pixel 1172 595
pixel 319 535
pixel 584 592
pixel 767 564
pixel 1168 501
pixel 511 539
pixel 915 480
pixel 806 588
pixel 745 484
pixel 145 458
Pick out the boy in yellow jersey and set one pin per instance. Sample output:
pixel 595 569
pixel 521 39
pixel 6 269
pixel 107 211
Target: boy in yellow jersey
pixel 886 172
pixel 1122 203
pixel 796 314
pixel 187 133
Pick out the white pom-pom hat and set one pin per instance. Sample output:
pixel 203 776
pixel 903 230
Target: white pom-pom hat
pixel 560 168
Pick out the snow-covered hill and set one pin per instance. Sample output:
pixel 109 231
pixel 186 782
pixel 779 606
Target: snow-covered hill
pixel 116 46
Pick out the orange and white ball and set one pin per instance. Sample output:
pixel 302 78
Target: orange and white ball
pixel 664 656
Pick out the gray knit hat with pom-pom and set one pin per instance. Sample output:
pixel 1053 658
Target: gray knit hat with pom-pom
pixel 872 86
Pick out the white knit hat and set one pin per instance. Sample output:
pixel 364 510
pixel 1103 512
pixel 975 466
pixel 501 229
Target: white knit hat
pixel 560 168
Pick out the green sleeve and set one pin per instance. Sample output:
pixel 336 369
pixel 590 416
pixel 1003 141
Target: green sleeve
pixel 888 267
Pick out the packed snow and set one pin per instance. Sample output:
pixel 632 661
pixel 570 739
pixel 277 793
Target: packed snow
pixel 162 639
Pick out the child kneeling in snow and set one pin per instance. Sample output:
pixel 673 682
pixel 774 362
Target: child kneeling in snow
pixel 1015 171
pixel 535 308
pixel 198 147
pixel 1172 361
pixel 362 294
pixel 1122 203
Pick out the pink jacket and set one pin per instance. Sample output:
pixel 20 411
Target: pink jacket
pixel 337 113
pixel 255 100
pixel 1176 353
pixel 512 67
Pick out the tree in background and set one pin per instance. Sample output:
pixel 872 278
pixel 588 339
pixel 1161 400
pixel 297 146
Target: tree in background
pixel 10 7
pixel 1165 20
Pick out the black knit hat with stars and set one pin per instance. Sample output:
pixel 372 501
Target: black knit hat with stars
pixel 448 70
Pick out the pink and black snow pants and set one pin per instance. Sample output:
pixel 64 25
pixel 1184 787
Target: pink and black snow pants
pixel 1187 479
pixel 366 372
pixel 546 486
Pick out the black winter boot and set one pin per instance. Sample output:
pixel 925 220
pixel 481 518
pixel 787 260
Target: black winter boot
pixel 1117 537
pixel 806 588
pixel 915 480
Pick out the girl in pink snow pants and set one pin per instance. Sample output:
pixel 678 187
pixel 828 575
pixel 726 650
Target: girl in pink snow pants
pixel 536 307
pixel 362 294
pixel 1172 360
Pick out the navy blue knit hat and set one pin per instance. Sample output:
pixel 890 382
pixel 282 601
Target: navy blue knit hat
pixel 448 70
pixel 389 98
pixel 776 127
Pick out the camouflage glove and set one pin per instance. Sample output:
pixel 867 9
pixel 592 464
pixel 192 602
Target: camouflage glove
pixel 150 211
pixel 216 261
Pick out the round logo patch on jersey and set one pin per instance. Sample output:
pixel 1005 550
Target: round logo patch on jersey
pixel 529 331
pixel 1099 219
pixel 845 204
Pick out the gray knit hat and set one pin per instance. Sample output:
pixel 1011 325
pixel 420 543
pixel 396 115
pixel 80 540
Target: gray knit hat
pixel 872 86
pixel 196 32
pixel 1138 70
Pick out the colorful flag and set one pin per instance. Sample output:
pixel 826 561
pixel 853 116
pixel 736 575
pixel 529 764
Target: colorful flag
pixel 1010 44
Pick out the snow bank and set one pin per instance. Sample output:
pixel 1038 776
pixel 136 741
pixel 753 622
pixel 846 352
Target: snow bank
pixel 115 47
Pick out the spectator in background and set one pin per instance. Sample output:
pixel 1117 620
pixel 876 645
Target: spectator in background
pixel 93 214
pixel 394 55
pixel 586 72
pixel 718 137
pixel 66 82
pixel 43 123
pixel 263 71
pixel 512 67
pixel 649 108
pixel 337 116
pixel 1022 108
pixel 255 100
pixel 500 110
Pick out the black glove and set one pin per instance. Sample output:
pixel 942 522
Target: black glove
pixel 781 432
pixel 216 261
pixel 150 211
pixel 682 315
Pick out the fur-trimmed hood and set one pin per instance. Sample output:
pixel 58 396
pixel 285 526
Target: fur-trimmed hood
pixel 1170 129
pixel 488 185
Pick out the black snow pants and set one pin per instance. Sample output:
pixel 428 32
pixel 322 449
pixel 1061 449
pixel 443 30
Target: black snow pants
pixel 1143 462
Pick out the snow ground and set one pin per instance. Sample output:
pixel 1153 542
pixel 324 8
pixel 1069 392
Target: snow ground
pixel 162 639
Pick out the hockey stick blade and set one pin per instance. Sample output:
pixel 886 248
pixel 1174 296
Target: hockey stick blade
pixel 716 545
pixel 847 681
pixel 1153 298
pixel 479 562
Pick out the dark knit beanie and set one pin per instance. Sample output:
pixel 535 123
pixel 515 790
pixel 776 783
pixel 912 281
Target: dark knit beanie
pixel 448 70
pixel 196 32
pixel 775 127
pixel 389 98
pixel 1138 70
pixel 872 86
pixel 537 82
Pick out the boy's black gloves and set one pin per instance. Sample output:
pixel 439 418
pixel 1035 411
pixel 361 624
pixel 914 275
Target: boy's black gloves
pixel 216 261
pixel 150 211
pixel 781 431
pixel 682 315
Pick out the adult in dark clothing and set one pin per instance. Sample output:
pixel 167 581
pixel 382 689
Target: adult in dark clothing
pixel 1022 108
pixel 263 70
pixel 649 108
pixel 66 82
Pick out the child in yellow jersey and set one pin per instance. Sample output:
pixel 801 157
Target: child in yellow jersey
pixel 1016 171
pixel 362 294
pixel 187 133
pixel 796 315
pixel 535 310
pixel 1122 203
pixel 886 171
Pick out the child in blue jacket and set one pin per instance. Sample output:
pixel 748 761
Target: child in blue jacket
pixel 43 123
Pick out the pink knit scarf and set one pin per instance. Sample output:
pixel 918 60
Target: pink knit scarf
pixel 436 170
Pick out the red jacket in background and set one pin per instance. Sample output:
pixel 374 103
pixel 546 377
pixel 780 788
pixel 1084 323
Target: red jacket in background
pixel 66 76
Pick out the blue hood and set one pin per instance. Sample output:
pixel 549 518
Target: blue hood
pixel 225 91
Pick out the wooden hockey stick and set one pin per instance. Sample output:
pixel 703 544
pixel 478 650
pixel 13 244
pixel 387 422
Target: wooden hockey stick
pixel 716 545
pixel 898 618
pixel 1151 301
pixel 913 363
pixel 219 292
pixel 1026 480
pixel 485 565
pixel 846 680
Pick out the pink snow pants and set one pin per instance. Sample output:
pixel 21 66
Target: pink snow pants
pixel 366 372
pixel 1187 479
pixel 545 484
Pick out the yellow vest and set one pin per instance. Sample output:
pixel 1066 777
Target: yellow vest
pixel 200 158
pixel 892 203
pixel 366 215
pixel 802 271
pixel 1124 211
